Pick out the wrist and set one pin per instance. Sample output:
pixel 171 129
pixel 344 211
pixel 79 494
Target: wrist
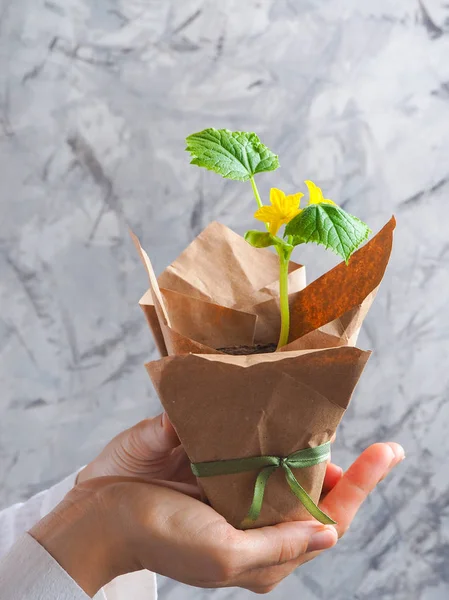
pixel 81 535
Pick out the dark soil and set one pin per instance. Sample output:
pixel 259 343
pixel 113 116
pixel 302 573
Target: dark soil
pixel 246 350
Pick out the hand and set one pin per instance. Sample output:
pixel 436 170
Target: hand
pixel 150 451
pixel 110 526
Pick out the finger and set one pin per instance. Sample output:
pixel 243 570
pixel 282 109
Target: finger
pixel 150 437
pixel 279 544
pixel 169 429
pixel 332 476
pixel 343 502
pixel 266 578
pixel 158 434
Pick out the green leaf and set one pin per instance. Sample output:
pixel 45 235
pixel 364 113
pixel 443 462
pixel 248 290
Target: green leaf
pixel 233 154
pixel 329 226
pixel 261 239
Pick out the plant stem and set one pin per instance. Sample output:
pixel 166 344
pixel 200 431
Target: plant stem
pixel 258 198
pixel 284 259
pixel 256 192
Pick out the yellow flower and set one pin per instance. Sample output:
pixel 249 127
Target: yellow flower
pixel 316 195
pixel 282 210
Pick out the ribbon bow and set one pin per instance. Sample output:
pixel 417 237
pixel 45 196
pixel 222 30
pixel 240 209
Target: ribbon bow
pixel 268 465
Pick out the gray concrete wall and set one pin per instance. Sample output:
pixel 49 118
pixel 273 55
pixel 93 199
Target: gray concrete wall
pixel 95 101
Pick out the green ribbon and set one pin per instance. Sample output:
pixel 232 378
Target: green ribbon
pixel 267 466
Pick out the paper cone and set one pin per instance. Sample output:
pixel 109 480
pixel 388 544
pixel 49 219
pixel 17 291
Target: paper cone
pixel 222 292
pixel 226 407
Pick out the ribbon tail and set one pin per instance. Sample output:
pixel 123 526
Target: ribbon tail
pixel 259 491
pixel 305 499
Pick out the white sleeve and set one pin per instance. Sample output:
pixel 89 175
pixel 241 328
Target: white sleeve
pixel 28 572
pixel 19 518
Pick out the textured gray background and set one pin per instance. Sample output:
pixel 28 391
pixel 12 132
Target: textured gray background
pixel 95 100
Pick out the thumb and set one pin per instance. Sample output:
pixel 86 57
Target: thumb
pixel 151 436
pixel 286 542
pixel 136 452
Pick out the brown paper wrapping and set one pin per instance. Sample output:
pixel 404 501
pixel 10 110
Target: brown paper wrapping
pixel 239 406
pixel 346 292
pixel 221 292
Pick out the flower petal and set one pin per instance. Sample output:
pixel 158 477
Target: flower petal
pixel 277 198
pixel 315 193
pixel 294 200
pixel 265 213
pixel 270 215
pixel 274 227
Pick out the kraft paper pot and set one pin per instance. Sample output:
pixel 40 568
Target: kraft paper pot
pixel 221 292
pixel 228 407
